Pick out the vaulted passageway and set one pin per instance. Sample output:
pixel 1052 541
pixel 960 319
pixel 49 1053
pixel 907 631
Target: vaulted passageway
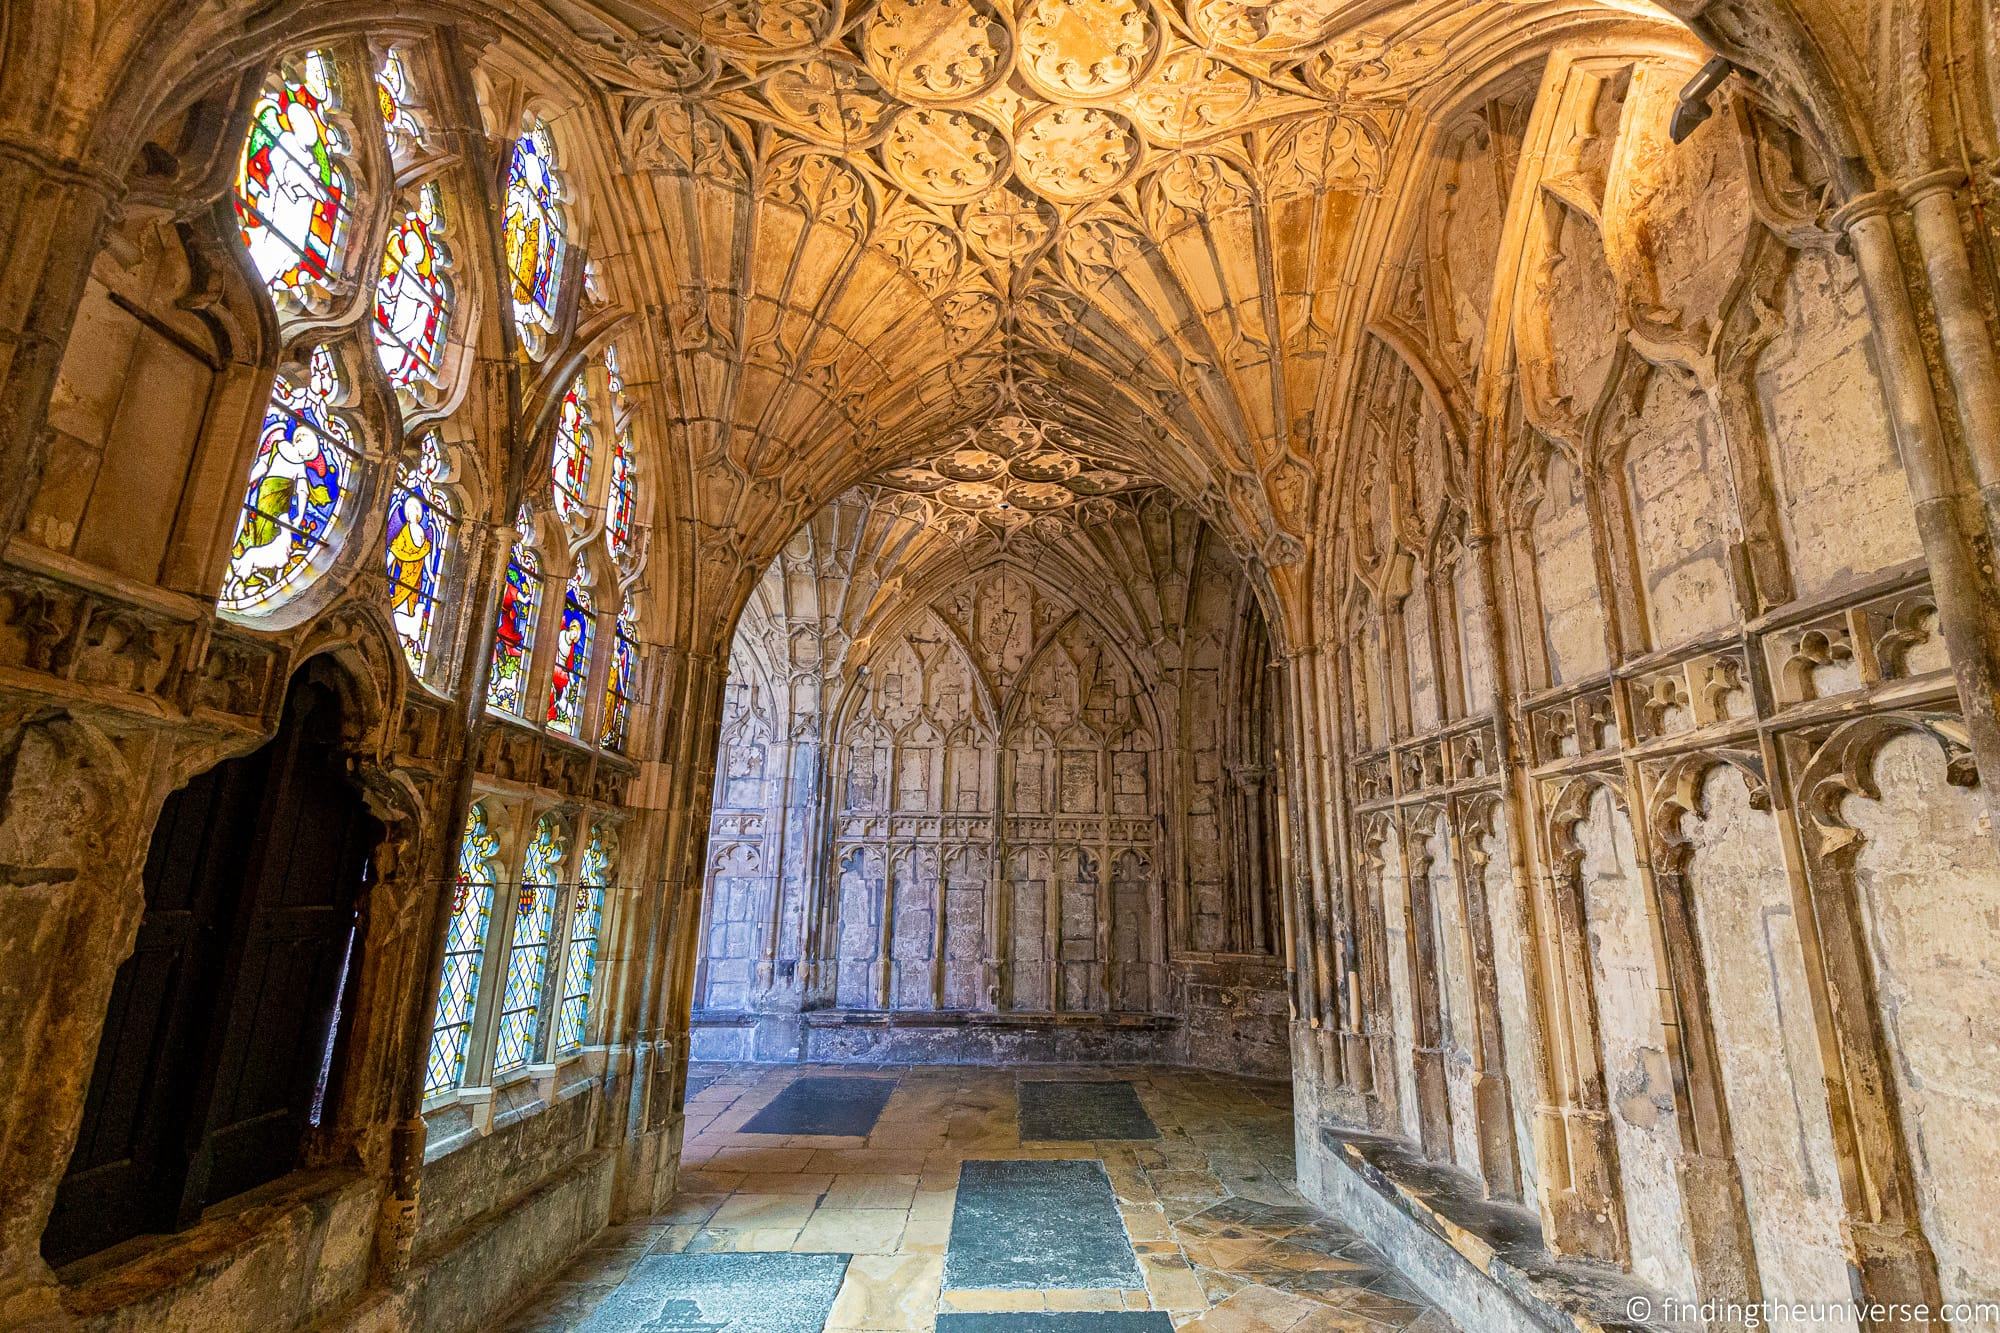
pixel 1411 580
pixel 988 786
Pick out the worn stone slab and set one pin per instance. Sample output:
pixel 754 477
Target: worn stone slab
pixel 723 1293
pixel 1038 1225
pixel 1065 1110
pixel 1059 1321
pixel 824 1104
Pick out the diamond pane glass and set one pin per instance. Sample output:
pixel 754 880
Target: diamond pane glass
pixel 534 237
pixel 566 680
pixel 291 188
pixel 528 950
pixel 580 962
pixel 419 537
pixel 464 952
pixel 300 481
pixel 514 636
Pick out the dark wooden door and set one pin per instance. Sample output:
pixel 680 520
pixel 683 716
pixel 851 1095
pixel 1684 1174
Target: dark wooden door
pixel 224 1018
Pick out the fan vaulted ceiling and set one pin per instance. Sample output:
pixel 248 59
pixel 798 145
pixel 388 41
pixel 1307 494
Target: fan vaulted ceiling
pixel 1125 223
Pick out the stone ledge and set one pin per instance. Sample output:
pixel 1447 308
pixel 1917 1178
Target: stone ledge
pixel 1479 1259
pixel 287 1249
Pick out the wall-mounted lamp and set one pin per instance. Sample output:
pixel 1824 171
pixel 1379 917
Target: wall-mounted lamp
pixel 1693 107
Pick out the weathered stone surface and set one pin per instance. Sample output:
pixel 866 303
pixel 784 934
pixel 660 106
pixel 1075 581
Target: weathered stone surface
pixel 1278 536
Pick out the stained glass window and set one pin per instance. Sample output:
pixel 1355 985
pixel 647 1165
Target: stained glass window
pixel 580 961
pixel 618 689
pixel 534 236
pixel 623 500
pixel 413 300
pixel 464 952
pixel 528 950
pixel 566 693
pixel 569 459
pixel 291 189
pixel 300 480
pixel 514 636
pixel 419 537
pixel 396 91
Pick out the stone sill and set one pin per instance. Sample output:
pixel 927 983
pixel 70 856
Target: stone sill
pixel 1496 1241
pixel 470 1114
pixel 332 1205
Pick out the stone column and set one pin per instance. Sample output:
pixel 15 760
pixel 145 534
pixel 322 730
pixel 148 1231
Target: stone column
pixel 53 213
pixel 1951 513
pixel 649 1158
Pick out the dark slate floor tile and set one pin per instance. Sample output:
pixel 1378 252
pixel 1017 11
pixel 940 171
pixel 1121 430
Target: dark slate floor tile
pixel 824 1104
pixel 723 1293
pixel 1066 1321
pixel 1037 1225
pixel 1063 1110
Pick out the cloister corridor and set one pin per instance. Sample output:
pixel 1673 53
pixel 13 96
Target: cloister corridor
pixel 1028 666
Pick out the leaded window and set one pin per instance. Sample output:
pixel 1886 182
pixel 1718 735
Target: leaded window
pixel 300 482
pixel 464 953
pixel 586 919
pixel 528 947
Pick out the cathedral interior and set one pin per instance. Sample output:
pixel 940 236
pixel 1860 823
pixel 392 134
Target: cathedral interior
pixel 1008 665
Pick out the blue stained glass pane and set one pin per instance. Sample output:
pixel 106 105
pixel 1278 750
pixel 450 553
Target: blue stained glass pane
pixel 300 480
pixel 533 231
pixel 419 534
pixel 566 694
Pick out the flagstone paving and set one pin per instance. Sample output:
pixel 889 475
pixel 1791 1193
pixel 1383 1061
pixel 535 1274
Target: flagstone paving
pixel 1221 1240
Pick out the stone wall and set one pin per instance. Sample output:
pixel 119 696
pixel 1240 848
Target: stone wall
pixel 1669 895
pixel 1618 515
pixel 988 796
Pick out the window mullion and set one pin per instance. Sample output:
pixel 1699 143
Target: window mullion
pixel 556 974
pixel 486 1005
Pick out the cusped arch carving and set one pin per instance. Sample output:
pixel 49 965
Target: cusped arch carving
pixel 1842 766
pixel 1677 796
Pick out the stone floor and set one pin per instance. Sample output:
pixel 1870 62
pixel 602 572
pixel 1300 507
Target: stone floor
pixel 1202 1184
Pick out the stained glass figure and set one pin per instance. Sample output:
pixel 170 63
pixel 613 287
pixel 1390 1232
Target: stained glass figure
pixel 535 242
pixel 420 531
pixel 291 189
pixel 566 693
pixel 514 637
pixel 618 689
pixel 464 952
pixel 623 500
pixel 300 480
pixel 396 91
pixel 528 950
pixel 413 300
pixel 586 917
pixel 569 459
